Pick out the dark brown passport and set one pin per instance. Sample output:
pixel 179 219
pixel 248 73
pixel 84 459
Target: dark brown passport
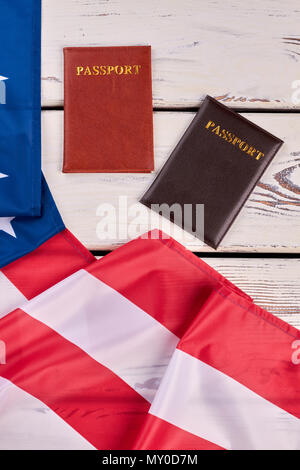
pixel 217 163
pixel 108 110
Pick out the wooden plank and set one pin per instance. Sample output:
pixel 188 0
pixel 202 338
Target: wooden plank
pixel 247 54
pixel 269 222
pixel 272 283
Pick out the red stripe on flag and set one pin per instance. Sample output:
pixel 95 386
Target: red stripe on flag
pixel 162 278
pixel 88 396
pixel 158 434
pixel 236 337
pixel 248 344
pixel 57 258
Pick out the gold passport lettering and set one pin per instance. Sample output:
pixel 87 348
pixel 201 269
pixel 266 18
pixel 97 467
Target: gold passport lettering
pixel 101 70
pixel 234 140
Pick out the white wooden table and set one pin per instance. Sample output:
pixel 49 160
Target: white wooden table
pixel 245 54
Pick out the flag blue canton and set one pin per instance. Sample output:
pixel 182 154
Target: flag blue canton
pixel 21 235
pixel 20 108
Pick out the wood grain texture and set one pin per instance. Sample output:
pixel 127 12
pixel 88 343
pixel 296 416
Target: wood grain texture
pixel 272 283
pixel 245 53
pixel 269 222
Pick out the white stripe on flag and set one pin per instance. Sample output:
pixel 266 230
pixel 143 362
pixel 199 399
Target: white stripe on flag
pixel 10 296
pixel 202 400
pixel 108 327
pixel 27 424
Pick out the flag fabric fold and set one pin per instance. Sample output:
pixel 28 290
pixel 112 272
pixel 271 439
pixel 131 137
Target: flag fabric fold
pixel 28 276
pixel 20 108
pixel 147 348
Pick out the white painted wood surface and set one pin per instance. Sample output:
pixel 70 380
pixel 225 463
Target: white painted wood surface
pixel 269 222
pixel 272 283
pixel 245 53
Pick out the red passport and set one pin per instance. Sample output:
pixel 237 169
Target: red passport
pixel 108 110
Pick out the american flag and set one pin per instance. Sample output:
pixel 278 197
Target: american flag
pixel 147 348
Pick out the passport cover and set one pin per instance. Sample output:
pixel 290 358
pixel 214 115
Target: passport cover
pixel 108 110
pixel 217 163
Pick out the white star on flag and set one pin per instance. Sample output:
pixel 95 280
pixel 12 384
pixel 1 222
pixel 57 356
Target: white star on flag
pixel 5 226
pixel 2 89
pixel 2 175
